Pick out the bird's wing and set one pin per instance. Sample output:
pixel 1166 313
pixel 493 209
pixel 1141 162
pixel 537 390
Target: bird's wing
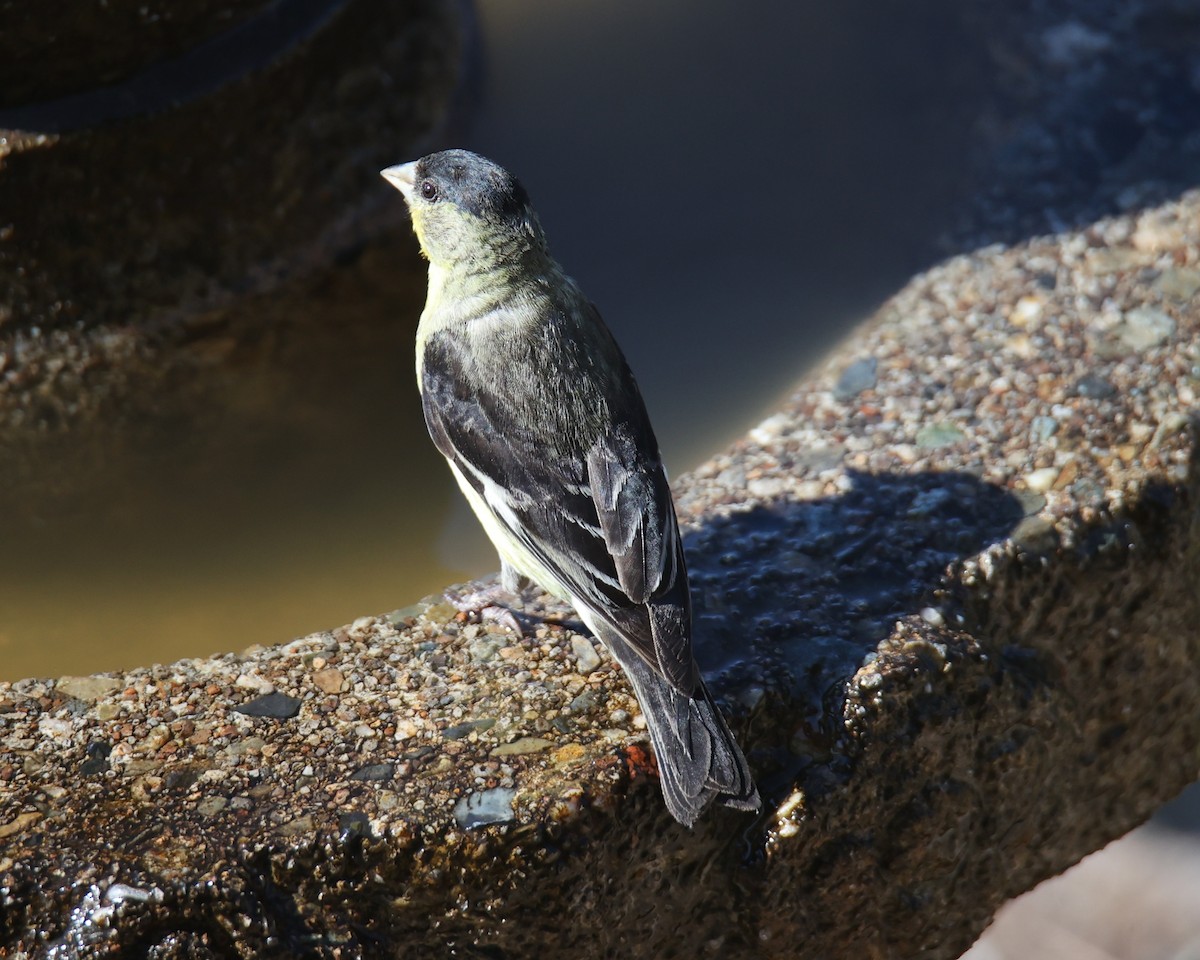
pixel 599 518
pixel 637 522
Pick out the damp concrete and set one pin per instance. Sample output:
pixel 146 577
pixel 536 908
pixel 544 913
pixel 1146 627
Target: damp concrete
pixel 946 593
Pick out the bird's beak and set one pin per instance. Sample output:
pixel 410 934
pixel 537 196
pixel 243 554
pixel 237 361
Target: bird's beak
pixel 402 176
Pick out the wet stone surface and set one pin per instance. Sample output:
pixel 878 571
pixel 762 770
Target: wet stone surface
pixel 114 299
pixel 957 667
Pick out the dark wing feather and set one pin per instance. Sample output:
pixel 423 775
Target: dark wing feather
pixel 637 518
pixel 595 511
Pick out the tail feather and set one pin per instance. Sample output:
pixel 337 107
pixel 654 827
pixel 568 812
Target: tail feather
pixel 699 760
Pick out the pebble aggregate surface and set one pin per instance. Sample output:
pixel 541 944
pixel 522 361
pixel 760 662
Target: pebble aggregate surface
pixel 420 702
pixel 908 583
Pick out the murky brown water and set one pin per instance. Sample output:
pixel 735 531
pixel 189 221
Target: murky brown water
pixel 732 198
pixel 305 495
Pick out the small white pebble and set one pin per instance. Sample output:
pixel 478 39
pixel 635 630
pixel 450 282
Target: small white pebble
pixel 769 429
pixel 586 657
pixel 1039 481
pixel 766 487
pixel 252 681
pixel 55 728
pixel 1026 310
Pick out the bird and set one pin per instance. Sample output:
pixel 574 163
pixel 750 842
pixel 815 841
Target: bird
pixel 531 401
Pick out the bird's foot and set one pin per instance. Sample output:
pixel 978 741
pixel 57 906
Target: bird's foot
pixel 485 603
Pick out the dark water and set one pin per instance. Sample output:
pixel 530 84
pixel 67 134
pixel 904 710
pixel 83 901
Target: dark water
pixel 735 186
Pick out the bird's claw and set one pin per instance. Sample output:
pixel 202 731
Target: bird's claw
pixel 483 603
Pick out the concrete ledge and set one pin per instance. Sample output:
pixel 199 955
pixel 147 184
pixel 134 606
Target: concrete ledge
pixel 949 593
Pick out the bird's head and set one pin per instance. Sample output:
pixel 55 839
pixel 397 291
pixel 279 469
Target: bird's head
pixel 466 210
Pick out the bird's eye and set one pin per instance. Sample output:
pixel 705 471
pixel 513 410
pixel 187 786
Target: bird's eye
pixel 429 190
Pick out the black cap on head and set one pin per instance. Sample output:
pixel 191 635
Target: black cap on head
pixel 474 184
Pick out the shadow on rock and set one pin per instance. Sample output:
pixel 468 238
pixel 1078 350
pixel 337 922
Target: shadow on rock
pixel 790 597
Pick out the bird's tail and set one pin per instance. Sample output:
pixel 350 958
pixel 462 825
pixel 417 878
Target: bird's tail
pixel 699 761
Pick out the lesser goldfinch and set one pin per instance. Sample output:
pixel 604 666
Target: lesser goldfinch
pixel 529 398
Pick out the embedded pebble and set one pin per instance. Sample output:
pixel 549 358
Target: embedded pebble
pixel 1027 310
pixel 486 648
pixel 769 429
pixel 859 376
pixel 732 478
pixel 247 745
pixel 276 705
pixel 95 764
pixel 820 457
pixel 211 806
pixel 1036 534
pixel 1030 500
pixel 1039 481
pixel 522 746
pixel 252 681
pixel 937 435
pixel 1178 283
pixel 586 657
pixel 55 728
pixel 300 827
pixel 354 824
pixel 460 730
pixel 1159 230
pixel 1169 426
pixel 1094 387
pixel 928 502
pixel 766 487
pixel 18 824
pixel 1145 327
pixel 484 807
pixel 87 688
pixel 1042 428
pixel 329 680
pixel 568 753
pixel 374 771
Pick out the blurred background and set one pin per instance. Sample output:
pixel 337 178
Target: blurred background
pixel 735 187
